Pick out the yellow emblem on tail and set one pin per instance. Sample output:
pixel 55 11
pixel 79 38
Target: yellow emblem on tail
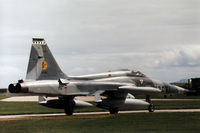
pixel 44 65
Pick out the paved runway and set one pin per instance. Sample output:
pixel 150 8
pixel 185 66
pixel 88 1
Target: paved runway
pixel 88 99
pixel 94 113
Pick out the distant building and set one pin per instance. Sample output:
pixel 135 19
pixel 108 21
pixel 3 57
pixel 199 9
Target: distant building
pixel 3 90
pixel 194 86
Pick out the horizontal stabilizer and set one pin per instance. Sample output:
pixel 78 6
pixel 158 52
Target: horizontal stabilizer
pixel 142 90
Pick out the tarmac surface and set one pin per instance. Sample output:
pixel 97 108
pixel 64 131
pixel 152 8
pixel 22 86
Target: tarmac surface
pixel 82 98
pixel 3 117
pixel 35 98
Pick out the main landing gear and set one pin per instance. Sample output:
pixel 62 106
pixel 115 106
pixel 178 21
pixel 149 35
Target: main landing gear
pixel 151 107
pixel 69 106
pixel 113 110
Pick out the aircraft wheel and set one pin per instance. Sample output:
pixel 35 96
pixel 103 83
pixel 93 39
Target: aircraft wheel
pixel 151 108
pixel 69 108
pixel 113 110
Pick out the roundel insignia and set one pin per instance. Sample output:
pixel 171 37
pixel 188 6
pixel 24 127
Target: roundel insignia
pixel 141 81
pixel 44 65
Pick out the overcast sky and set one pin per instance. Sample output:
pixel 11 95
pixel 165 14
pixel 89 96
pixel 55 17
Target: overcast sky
pixel 161 38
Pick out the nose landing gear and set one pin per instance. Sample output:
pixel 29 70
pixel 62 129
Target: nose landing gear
pixel 151 107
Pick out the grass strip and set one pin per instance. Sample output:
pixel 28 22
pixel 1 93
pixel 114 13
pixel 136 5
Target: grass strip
pixel 122 123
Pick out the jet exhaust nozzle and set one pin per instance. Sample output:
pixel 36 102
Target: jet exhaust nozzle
pixel 17 88
pixel 11 88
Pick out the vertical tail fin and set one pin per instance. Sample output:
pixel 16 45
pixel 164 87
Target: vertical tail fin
pixel 42 65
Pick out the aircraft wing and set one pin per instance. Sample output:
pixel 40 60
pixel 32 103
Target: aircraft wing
pixel 100 88
pixel 140 90
pixel 103 88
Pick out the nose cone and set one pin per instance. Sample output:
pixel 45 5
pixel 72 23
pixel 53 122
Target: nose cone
pixel 180 89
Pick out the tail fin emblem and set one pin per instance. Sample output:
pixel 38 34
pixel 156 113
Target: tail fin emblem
pixel 44 65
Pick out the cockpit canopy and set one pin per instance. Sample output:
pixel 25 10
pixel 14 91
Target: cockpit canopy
pixel 136 74
pixel 133 73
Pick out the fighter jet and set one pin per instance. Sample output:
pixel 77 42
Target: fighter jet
pixel 113 90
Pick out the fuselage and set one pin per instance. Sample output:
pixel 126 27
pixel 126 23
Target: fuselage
pixel 87 84
pixel 133 77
